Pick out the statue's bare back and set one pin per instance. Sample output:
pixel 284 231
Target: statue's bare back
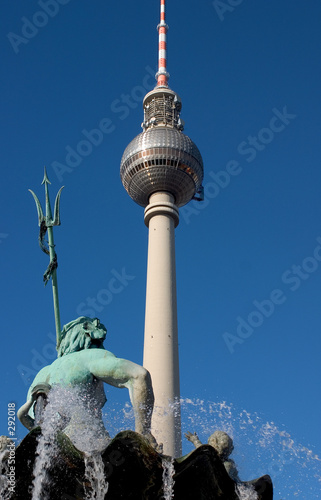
pixel 85 365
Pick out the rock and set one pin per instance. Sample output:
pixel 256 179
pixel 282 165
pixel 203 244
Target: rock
pixel 135 468
pixel 263 486
pixel 201 475
pixel 134 471
pixel 65 474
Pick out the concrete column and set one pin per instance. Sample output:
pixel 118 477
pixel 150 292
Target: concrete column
pixel 161 336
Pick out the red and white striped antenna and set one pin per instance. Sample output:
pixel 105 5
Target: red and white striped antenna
pixel 162 75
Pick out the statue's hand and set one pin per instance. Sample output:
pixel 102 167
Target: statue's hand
pixel 40 389
pixel 191 437
pixel 33 396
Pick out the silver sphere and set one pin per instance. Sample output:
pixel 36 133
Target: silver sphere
pixel 162 159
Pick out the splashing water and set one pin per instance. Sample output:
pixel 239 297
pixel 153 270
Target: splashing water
pixel 246 492
pixel 46 452
pixel 118 417
pixel 72 411
pixel 260 448
pixel 95 474
pixel 168 478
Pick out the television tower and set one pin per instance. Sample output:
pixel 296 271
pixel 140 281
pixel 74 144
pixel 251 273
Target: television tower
pixel 162 170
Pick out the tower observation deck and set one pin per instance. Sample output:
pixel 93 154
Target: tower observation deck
pixel 162 170
pixel 162 157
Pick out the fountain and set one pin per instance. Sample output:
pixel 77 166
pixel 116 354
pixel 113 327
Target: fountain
pixel 259 446
pixel 68 453
pixel 95 476
pixel 168 478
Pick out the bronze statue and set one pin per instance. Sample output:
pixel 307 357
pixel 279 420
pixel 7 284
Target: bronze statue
pixel 83 363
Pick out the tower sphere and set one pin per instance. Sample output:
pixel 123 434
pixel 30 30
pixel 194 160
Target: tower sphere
pixel 162 158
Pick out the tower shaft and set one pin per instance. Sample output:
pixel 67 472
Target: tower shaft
pixel 161 335
pixel 162 169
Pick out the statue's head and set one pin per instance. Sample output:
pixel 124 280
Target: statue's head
pixel 82 333
pixel 222 442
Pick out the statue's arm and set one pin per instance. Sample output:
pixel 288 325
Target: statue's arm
pixel 122 373
pixel 22 414
pixel 232 470
pixel 193 438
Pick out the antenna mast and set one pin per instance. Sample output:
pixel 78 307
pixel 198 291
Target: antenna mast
pixel 162 76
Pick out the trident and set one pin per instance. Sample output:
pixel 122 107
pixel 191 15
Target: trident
pixel 47 223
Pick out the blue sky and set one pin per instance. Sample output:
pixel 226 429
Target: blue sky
pixel 248 257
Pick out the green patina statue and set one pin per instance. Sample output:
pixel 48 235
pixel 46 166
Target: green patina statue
pixel 83 363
